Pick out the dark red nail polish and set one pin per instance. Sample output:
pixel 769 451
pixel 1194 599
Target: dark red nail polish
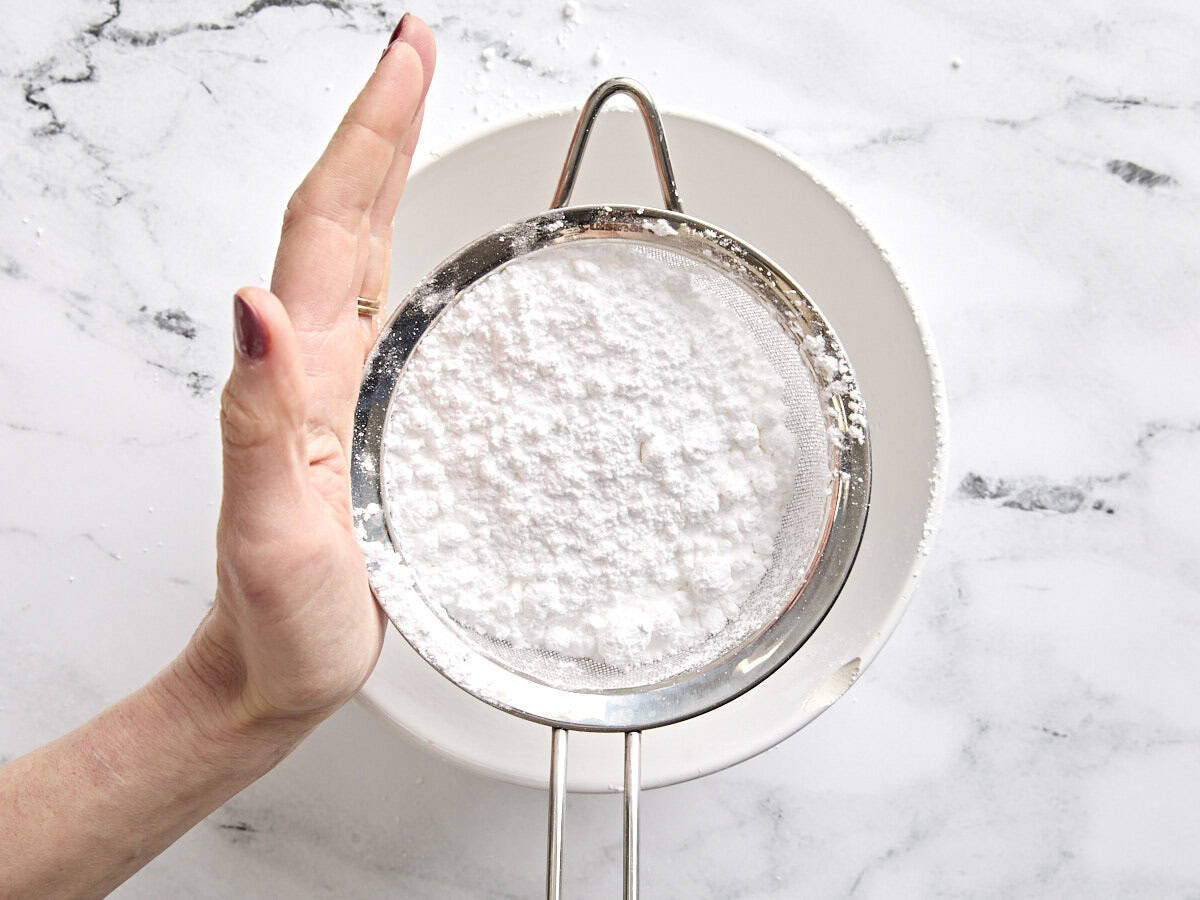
pixel 396 34
pixel 249 335
pixel 396 31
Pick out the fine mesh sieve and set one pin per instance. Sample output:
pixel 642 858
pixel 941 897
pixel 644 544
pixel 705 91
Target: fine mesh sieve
pixel 813 550
pixel 793 544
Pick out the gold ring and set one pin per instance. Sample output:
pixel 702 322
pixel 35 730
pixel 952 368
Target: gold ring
pixel 369 307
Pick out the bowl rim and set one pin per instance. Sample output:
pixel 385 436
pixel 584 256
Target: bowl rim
pixel 819 701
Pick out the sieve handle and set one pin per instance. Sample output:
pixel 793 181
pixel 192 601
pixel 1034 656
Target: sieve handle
pixel 633 788
pixel 558 789
pixel 583 130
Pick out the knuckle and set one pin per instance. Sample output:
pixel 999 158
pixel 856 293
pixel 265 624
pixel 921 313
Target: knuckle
pixel 242 427
pixel 320 203
pixel 296 206
pixel 294 212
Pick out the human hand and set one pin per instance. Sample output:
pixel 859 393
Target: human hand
pixel 295 631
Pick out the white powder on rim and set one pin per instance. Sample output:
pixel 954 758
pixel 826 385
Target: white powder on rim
pixel 586 454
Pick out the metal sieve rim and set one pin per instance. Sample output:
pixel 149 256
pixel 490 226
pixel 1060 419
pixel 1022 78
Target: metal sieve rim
pixel 428 629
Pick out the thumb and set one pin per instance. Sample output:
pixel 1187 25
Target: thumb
pixel 263 408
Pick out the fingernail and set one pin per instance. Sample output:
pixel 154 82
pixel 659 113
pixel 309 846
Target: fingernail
pixel 397 34
pixel 249 336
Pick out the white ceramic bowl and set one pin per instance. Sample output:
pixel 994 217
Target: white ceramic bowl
pixel 757 191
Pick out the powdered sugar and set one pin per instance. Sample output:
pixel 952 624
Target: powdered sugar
pixel 587 455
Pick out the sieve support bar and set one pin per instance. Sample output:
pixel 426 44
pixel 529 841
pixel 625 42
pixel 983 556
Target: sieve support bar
pixel 583 130
pixel 633 788
pixel 558 789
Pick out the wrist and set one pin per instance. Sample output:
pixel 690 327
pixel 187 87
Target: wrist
pixel 206 685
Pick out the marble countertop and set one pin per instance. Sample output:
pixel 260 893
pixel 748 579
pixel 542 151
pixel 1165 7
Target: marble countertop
pixel 1031 730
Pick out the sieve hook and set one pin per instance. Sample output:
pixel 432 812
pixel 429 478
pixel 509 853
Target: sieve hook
pixel 583 130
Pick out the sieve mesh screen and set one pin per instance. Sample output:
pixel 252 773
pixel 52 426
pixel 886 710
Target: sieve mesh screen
pixel 803 523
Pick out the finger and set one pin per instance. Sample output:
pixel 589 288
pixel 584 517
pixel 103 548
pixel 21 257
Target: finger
pixel 263 409
pixel 378 264
pixel 315 267
pixel 343 184
pixel 325 242
pixel 420 38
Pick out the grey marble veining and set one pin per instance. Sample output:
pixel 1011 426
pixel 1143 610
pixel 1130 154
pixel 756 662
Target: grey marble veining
pixel 1031 169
